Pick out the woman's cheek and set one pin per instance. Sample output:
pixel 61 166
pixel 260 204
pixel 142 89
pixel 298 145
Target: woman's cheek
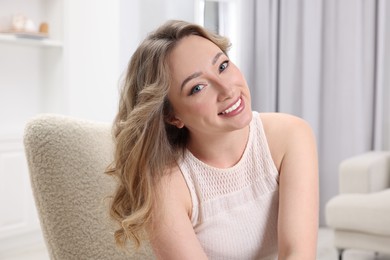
pixel 201 106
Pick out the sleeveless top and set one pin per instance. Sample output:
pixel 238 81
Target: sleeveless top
pixel 235 210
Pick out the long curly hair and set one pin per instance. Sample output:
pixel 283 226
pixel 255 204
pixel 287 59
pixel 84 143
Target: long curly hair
pixel 146 144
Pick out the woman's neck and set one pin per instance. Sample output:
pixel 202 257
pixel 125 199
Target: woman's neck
pixel 222 150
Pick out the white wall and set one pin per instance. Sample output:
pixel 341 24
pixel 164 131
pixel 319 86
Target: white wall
pixel 19 76
pixel 92 58
pixel 129 30
pixel 19 72
pixel 98 48
pixel 100 39
pixel 139 17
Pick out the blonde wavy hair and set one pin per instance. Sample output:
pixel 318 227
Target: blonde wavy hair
pixel 146 144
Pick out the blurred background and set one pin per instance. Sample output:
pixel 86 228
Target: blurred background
pixel 327 61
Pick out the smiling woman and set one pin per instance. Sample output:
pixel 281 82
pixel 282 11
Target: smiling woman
pixel 201 175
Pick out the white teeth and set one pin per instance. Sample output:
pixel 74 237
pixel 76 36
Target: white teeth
pixel 232 108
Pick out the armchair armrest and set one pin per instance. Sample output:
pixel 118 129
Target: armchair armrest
pixel 365 173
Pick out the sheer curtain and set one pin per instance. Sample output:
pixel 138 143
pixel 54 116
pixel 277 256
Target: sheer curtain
pixel 328 62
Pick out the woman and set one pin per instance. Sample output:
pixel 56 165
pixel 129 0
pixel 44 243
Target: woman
pixel 201 176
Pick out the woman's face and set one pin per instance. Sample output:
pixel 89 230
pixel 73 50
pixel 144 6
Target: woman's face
pixel 208 93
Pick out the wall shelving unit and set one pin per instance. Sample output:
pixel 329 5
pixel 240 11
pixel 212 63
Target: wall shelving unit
pixel 31 82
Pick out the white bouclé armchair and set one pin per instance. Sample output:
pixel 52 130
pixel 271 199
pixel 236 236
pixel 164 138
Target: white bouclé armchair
pixel 67 158
pixel 360 214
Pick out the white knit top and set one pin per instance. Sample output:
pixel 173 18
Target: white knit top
pixel 235 210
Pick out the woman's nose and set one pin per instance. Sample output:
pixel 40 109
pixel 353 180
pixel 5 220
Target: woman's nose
pixel 224 89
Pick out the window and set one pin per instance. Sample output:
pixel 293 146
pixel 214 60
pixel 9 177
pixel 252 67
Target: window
pixel 222 17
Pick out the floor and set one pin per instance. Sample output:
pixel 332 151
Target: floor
pixel 37 252
pixel 325 251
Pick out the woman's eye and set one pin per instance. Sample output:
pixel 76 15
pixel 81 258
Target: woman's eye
pixel 196 89
pixel 223 66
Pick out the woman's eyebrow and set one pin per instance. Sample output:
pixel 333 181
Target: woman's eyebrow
pixel 192 76
pixel 197 74
pixel 217 57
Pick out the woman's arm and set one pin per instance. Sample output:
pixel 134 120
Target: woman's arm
pixel 292 144
pixel 171 234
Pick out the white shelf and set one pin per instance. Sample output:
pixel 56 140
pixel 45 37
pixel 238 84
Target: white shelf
pixel 13 39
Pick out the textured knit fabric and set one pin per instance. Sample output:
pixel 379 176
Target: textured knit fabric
pixel 235 210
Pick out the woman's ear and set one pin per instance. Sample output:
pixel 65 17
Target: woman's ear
pixel 169 116
pixel 176 122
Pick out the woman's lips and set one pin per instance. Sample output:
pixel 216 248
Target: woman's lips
pixel 234 109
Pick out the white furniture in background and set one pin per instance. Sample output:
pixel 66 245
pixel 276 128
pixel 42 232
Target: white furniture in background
pixel 360 214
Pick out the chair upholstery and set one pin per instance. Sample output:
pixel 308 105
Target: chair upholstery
pixel 360 214
pixel 66 159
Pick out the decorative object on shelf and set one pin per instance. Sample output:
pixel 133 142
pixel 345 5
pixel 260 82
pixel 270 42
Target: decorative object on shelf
pixel 44 28
pixel 24 27
pixel 21 23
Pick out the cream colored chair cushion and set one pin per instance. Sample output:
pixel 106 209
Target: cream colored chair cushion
pixel 67 158
pixel 365 213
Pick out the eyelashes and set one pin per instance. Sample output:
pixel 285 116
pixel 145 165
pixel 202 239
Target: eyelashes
pixel 196 89
pixel 221 68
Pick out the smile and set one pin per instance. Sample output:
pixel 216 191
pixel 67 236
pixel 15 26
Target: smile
pixel 232 108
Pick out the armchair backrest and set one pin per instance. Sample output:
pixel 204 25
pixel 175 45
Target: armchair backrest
pixel 66 159
pixel 365 173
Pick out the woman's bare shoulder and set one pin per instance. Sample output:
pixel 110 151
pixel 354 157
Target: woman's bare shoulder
pixel 171 234
pixel 282 131
pixel 282 122
pixel 174 190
